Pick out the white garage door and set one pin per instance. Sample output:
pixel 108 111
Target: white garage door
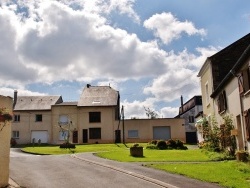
pixel 42 135
pixel 161 133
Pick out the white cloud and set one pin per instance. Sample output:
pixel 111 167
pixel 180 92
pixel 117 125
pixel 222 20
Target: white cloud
pixel 169 28
pixel 169 112
pixel 51 42
pixel 22 92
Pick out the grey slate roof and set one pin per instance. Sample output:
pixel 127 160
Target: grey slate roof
pixel 36 102
pixel 98 96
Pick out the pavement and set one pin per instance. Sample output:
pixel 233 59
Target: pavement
pixel 139 171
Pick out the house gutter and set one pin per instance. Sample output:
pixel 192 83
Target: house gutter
pixel 231 73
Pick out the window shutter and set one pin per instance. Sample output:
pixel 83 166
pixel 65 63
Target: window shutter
pixel 246 80
pixel 240 83
pixel 247 120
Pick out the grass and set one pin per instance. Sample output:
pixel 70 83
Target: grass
pixel 227 173
pixel 55 150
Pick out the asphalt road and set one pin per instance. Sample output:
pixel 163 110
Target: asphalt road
pixel 88 171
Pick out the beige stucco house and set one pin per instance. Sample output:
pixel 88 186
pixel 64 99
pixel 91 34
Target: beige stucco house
pixel 5 135
pixel 32 118
pixel 95 118
pixel 225 85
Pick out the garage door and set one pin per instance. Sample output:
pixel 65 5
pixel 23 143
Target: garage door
pixel 161 133
pixel 42 135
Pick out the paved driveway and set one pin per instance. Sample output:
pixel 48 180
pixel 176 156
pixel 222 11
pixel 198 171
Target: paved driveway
pixel 87 170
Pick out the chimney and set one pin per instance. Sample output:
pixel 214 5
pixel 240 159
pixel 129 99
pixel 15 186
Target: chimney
pixel 181 103
pixel 15 99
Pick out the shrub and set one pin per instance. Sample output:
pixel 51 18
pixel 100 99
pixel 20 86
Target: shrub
pixel 153 142
pixel 67 146
pixel 171 144
pixel 161 144
pixel 151 146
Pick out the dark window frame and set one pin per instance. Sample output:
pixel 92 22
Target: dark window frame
pixel 94 117
pixel 15 134
pixel 191 119
pixel 95 133
pixel 222 102
pixel 16 118
pixel 39 117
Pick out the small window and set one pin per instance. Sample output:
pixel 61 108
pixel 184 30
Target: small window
pixel 15 134
pixel 133 134
pixel 94 133
pixel 16 118
pixel 39 117
pixel 63 120
pixel 63 135
pixel 94 117
pixel 207 93
pixel 191 119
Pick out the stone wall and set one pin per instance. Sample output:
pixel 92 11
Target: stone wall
pixel 5 135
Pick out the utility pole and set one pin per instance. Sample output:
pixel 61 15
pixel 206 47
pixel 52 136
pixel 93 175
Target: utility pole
pixel 123 131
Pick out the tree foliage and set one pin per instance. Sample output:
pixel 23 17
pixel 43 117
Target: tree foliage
pixel 151 114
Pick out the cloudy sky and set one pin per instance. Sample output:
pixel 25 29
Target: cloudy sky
pixel 150 51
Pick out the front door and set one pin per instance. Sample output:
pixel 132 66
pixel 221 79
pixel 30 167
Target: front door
pixel 75 136
pixel 85 136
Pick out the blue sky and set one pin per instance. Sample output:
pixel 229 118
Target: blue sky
pixel 150 51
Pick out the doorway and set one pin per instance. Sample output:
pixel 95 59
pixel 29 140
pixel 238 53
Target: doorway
pixel 239 136
pixel 75 136
pixel 85 136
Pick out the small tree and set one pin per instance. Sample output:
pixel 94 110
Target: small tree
pixel 151 114
pixel 218 138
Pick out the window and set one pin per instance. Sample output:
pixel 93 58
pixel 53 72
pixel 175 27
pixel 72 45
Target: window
pixel 16 118
pixel 244 81
pixel 63 135
pixel 94 117
pixel 94 133
pixel 207 93
pixel 15 134
pixel 222 103
pixel 63 120
pixel 39 117
pixel 133 134
pixel 191 119
pixel 247 120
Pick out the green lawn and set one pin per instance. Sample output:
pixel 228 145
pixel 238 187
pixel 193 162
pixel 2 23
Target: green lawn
pixel 227 173
pixel 55 150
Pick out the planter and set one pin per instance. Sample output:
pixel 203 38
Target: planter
pixel 136 151
pixel 242 156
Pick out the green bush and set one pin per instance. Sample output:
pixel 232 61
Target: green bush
pixel 154 142
pixel 161 144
